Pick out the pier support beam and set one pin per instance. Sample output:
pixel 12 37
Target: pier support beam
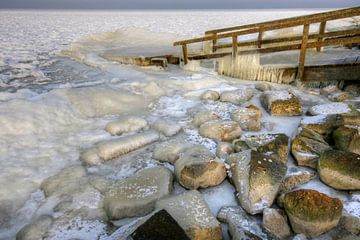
pixel 321 31
pixel 234 47
pixel 185 54
pixel 304 42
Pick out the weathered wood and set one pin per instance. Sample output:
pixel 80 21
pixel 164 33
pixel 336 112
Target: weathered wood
pixel 321 31
pixel 214 42
pixel 284 20
pixel 260 37
pixel 303 51
pixel 279 25
pixel 185 53
pixel 234 48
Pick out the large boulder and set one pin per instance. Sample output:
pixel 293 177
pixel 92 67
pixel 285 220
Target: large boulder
pixel 199 168
pixel 340 170
pixel 126 124
pixel 281 103
pixel 257 179
pixel 220 130
pixel 170 151
pixel 275 222
pixel 241 225
pixel 274 146
pixel 203 117
pixel 35 230
pixel 210 95
pixel 136 195
pixel 192 213
pixel 167 127
pixel 248 117
pixel 312 213
pixel 329 109
pixel 347 139
pixel 322 124
pixel 307 147
pixel 238 96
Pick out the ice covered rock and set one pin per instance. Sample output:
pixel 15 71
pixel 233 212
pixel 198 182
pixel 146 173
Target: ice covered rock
pixel 197 168
pixel 240 145
pixel 111 149
pixel 136 195
pixel 192 213
pixel 220 130
pixel 322 124
pixel 90 157
pixel 35 230
pixel 339 96
pixel 262 86
pixel 328 90
pixel 295 179
pixel 67 180
pixel 351 223
pixel 241 225
pixel 353 89
pixel 248 117
pixel 329 108
pixel 223 149
pixel 307 147
pixel 238 96
pixel 274 146
pixel 312 213
pixel 203 117
pixel 170 151
pixel 347 139
pixel 257 179
pixel 300 237
pixel 126 124
pixel 166 127
pixel 281 103
pixel 160 225
pixel 275 222
pixel 210 95
pixel 340 170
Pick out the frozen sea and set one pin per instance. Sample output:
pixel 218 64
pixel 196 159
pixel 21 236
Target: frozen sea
pixel 57 93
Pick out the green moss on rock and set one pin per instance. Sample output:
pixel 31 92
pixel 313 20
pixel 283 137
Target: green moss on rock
pixel 346 163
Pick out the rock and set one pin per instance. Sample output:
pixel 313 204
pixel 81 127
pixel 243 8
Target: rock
pixel 199 168
pixel 241 225
pixel 307 147
pixel 238 96
pixel 281 103
pixel 203 117
pixel 166 127
pixel 126 124
pixel 223 149
pixel 329 109
pixel 300 237
pixel 340 170
pixel 353 89
pixel 90 157
pixel 35 230
pixel 274 146
pixel 295 179
pixel 248 118
pixel 328 90
pixel 67 180
pixel 192 213
pixel 257 179
pixel 262 87
pixel 111 149
pixel 322 124
pixel 312 213
pixel 136 195
pixel 275 222
pixel 239 145
pixel 210 95
pixel 220 130
pixel 351 223
pixel 347 139
pixel 339 96
pixel 170 151
pixel 160 226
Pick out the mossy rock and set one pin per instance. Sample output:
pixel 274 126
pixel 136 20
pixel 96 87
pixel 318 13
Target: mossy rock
pixel 281 103
pixel 340 170
pixel 347 139
pixel 323 125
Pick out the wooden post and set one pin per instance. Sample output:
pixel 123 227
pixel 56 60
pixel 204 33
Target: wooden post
pixel 321 31
pixel 214 42
pixel 260 36
pixel 185 53
pixel 303 51
pixel 234 47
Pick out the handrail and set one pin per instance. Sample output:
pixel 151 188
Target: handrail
pixel 277 21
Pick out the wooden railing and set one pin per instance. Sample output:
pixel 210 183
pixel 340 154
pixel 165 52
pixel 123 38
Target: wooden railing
pixel 317 40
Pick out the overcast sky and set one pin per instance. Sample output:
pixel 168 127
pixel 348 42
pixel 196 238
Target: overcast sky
pixel 175 4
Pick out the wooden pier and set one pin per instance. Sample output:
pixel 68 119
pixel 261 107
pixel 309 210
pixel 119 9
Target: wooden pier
pixel 343 70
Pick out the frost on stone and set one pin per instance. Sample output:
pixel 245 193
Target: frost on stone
pixel 170 151
pixel 166 127
pixel 238 96
pixel 203 117
pixel 330 108
pixel 126 124
pixel 220 130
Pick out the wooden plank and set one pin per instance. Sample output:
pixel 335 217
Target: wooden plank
pixel 275 22
pixel 234 48
pixel 185 53
pixel 321 31
pixel 303 51
pixel 280 25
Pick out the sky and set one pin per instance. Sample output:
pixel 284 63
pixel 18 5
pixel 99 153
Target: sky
pixel 176 4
